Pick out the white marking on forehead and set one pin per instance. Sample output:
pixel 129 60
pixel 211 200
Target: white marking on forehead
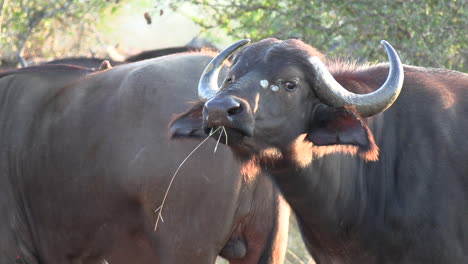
pixel 274 88
pixel 264 83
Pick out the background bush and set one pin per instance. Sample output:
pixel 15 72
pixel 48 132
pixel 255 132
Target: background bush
pixel 430 33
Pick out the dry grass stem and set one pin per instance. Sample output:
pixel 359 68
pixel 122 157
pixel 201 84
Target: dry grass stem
pixel 160 208
pixel 220 135
pixel 295 257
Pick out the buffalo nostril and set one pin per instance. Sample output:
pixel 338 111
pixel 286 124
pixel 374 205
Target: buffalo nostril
pixel 235 110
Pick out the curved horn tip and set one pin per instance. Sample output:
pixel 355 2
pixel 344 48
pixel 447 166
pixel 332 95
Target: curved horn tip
pixel 387 45
pixel 236 45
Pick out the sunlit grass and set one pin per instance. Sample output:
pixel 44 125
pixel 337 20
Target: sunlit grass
pixel 296 253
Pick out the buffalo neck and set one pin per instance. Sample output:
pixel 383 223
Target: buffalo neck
pixel 330 198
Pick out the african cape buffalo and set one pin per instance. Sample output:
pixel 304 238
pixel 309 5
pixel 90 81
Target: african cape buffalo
pixel 86 160
pixel 149 54
pixel 95 63
pixel 195 45
pixel 367 186
pixel 92 63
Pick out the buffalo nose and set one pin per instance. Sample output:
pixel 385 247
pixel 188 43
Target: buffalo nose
pixel 220 111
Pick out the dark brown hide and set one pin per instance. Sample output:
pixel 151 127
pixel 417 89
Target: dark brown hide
pixel 86 160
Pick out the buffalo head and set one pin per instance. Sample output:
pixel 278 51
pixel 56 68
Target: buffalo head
pixel 276 91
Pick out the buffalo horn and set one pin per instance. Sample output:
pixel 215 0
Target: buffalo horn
pixel 208 85
pixel 333 94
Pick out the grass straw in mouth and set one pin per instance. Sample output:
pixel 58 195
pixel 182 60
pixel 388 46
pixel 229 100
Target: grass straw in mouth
pixel 220 135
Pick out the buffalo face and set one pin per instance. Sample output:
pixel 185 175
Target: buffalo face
pixel 276 91
pixel 264 103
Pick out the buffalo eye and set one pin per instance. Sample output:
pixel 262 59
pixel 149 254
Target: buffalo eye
pixel 290 86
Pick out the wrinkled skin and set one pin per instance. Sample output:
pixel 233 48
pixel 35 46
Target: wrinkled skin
pixel 86 160
pixel 390 188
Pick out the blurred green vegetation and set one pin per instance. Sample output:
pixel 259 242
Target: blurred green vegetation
pixel 38 28
pixel 429 33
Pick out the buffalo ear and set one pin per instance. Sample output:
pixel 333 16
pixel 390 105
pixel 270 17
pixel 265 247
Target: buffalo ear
pixel 340 126
pixel 188 124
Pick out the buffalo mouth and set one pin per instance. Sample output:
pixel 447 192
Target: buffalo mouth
pixel 231 132
pixel 226 135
